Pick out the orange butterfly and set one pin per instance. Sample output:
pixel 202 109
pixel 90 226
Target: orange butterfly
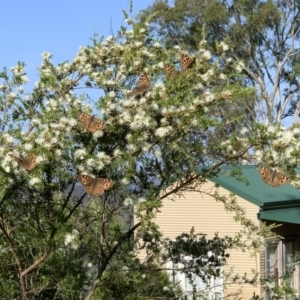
pixel 142 86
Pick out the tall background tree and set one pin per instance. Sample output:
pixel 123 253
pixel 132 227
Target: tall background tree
pixel 262 34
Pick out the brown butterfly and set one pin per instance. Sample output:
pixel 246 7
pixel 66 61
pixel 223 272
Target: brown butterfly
pixel 172 73
pixel 187 62
pixel 90 122
pixel 28 162
pixel 95 186
pixel 142 86
pixel 272 177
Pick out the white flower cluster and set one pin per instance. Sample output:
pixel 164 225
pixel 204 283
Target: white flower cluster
pixel 71 239
pixel 239 66
pixel 163 131
pixel 223 46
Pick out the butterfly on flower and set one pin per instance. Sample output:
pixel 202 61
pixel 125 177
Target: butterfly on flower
pixel 272 177
pixel 186 63
pixel 90 122
pixel 142 86
pixel 28 162
pixel 171 72
pixel 95 186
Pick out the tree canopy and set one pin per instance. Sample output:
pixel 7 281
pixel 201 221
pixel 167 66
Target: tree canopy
pixel 264 34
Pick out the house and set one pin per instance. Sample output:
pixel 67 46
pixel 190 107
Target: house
pixel 280 205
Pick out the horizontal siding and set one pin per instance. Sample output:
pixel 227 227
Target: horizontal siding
pixel 202 212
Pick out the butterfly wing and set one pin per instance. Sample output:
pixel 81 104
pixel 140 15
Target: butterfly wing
pixel 28 162
pixel 272 177
pixel 89 183
pixel 106 183
pixel 95 186
pixel 95 124
pixel 266 174
pixel 101 185
pixel 187 62
pixel 171 72
pixel 142 86
pixel 85 179
pixel 279 179
pixel 91 123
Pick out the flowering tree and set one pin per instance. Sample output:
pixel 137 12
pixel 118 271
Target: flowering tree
pixel 263 34
pixel 115 120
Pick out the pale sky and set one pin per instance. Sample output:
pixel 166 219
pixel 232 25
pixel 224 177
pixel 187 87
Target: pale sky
pixel 30 27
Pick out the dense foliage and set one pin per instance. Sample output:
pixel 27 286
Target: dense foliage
pixel 58 243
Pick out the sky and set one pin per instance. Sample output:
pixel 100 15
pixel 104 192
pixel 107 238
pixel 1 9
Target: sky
pixel 30 27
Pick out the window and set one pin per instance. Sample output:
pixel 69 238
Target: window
pixel 279 263
pixel 213 290
pixel 272 261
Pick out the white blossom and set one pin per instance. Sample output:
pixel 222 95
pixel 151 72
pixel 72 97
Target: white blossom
pixel 239 67
pixel 72 122
pixel 163 131
pixel 7 138
pixel 40 140
pixel 287 137
pixel 102 155
pixel 156 45
pixel 28 146
pixel 34 180
pixel 35 121
pixel 24 78
pixel 124 181
pixel 129 32
pixel 206 55
pixel 161 65
pixel 132 147
pixel 117 152
pixel 272 129
pixel 140 200
pixel 138 44
pixel 70 239
pixel 224 46
pixel 128 202
pixel 222 76
pixel 97 134
pixel 12 95
pixel 258 154
pixel 58 152
pixel 90 162
pixel 80 153
pixel 125 269
pixel 112 94
pixel 145 147
pixel 244 130
pixel 46 55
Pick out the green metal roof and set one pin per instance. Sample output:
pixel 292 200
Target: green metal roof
pixel 280 204
pixel 287 215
